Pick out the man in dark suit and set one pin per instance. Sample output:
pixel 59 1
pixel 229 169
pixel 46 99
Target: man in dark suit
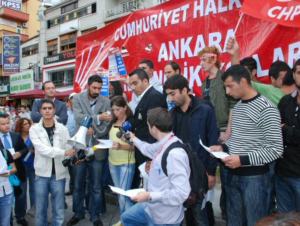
pixel 60 107
pixel 16 146
pixel 147 98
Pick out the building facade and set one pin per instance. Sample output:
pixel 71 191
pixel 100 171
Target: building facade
pixel 17 18
pixel 69 19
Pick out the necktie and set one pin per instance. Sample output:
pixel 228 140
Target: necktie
pixel 6 141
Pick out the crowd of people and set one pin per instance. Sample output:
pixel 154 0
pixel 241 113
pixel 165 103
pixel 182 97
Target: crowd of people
pixel 256 127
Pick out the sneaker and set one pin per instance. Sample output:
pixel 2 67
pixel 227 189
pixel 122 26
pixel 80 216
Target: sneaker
pixel 22 222
pixel 98 223
pixel 74 220
pixel 118 224
pixel 31 212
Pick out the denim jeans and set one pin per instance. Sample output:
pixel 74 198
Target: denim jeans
pixel 136 216
pixel 247 199
pixel 6 203
pixel 21 202
pixel 122 176
pixel 43 187
pixel 94 171
pixel 30 178
pixel 287 194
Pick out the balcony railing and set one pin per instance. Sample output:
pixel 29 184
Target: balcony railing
pixel 122 8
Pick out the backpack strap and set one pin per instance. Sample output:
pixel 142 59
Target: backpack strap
pixel 164 157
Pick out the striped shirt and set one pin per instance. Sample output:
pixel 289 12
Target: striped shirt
pixel 256 132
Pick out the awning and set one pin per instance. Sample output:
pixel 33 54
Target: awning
pixel 32 94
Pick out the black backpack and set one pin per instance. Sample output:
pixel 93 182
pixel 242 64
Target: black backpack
pixel 198 177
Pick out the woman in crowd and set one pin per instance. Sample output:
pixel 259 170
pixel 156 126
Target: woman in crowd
pixel 115 89
pixel 7 167
pixel 22 127
pixel 121 155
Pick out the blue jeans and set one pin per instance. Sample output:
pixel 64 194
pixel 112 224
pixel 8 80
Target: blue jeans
pixel 43 187
pixel 30 177
pixel 288 194
pixel 247 199
pixel 6 203
pixel 122 176
pixel 136 216
pixel 21 202
pixel 94 171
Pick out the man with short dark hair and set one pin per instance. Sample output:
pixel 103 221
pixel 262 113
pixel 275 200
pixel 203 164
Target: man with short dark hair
pixel 255 142
pixel 91 103
pixel 60 107
pixel 14 143
pixel 148 98
pixel 148 67
pixel 192 120
pixel 49 139
pixel 287 180
pixel 162 203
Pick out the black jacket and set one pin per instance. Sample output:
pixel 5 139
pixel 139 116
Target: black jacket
pixel 151 99
pixel 289 165
pixel 198 122
pixel 19 146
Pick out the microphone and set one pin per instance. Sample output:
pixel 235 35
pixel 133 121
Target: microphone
pixel 124 131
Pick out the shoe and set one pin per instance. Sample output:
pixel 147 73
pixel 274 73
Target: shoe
pixel 74 220
pixel 22 222
pixel 68 193
pixel 98 223
pixel 118 224
pixel 31 212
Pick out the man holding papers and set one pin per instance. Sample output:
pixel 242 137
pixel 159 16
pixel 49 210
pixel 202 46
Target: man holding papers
pixel 255 142
pixel 162 203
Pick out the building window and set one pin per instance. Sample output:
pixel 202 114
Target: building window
pixel 52 47
pixel 88 30
pixel 30 50
pixel 90 9
pixel 68 42
pixel 62 78
pixel 69 7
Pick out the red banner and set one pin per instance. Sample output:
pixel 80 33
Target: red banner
pixel 178 30
pixel 284 12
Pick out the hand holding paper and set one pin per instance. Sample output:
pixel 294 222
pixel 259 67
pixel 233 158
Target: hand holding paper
pixel 217 154
pixel 130 193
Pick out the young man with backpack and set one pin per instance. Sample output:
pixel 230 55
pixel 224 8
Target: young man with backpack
pixel 193 120
pixel 162 203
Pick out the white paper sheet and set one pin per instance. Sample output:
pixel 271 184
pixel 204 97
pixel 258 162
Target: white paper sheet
pixel 104 144
pixel 12 151
pixel 216 154
pixel 3 164
pixel 130 193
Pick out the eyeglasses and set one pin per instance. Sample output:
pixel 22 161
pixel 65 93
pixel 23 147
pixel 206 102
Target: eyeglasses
pixel 47 108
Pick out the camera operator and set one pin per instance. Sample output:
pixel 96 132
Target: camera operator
pixel 49 139
pixel 90 103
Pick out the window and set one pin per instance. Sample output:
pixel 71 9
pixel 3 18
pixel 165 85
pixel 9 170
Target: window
pixel 62 78
pixel 73 15
pixel 52 47
pixel 68 8
pixel 30 50
pixel 68 41
pixel 88 30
